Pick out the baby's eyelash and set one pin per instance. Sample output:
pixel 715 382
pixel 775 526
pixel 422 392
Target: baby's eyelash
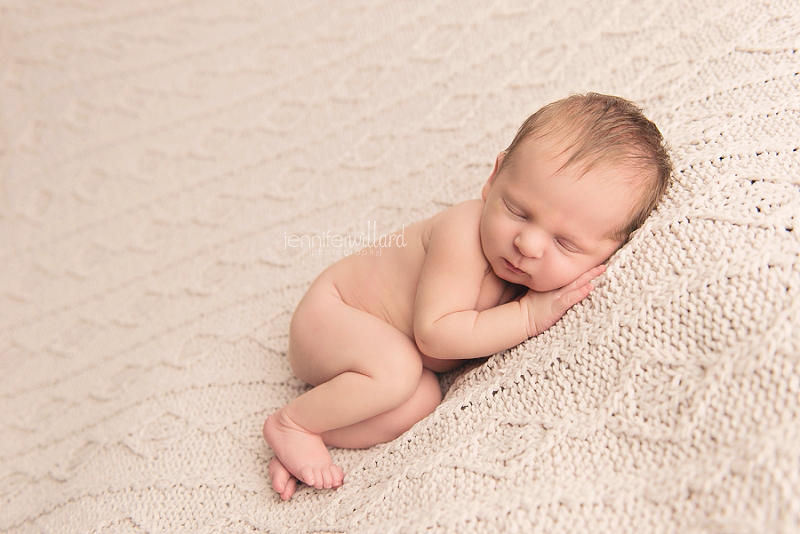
pixel 513 211
pixel 566 245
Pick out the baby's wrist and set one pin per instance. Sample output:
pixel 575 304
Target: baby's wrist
pixel 528 324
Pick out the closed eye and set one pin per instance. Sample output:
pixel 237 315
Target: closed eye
pixel 514 211
pixel 567 245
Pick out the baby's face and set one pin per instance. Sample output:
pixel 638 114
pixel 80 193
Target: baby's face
pixel 543 227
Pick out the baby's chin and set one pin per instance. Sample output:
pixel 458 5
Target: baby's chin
pixel 539 288
pixel 516 280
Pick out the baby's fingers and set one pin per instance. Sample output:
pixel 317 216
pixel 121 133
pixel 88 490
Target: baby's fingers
pixel 582 280
pixel 578 290
pixel 572 297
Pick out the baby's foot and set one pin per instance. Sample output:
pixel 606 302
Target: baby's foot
pixel 282 480
pixel 301 453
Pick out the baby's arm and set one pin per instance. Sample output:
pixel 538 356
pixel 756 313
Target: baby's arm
pixel 446 324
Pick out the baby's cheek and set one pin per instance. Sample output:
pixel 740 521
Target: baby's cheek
pixel 567 272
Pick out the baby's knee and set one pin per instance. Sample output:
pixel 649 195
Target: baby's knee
pixel 429 391
pixel 399 376
pixel 422 403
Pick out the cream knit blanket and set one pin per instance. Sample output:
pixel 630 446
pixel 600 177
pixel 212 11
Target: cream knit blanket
pixel 173 174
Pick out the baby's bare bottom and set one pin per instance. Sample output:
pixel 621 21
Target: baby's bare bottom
pixel 370 387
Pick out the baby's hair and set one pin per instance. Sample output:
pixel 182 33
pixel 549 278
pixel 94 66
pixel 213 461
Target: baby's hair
pixel 603 129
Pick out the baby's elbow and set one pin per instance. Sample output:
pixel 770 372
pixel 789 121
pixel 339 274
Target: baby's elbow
pixel 425 339
pixel 421 340
pixel 432 343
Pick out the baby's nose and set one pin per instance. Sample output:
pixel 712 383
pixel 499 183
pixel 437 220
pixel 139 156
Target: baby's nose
pixel 531 243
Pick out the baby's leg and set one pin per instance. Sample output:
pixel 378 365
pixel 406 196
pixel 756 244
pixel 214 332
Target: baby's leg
pixel 388 426
pixel 361 366
pixel 381 428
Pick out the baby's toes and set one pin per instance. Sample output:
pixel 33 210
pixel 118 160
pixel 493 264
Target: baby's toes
pixel 338 476
pixel 319 478
pixel 327 477
pixel 288 491
pixel 279 475
pixel 308 475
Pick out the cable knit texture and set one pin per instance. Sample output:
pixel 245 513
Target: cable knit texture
pixel 175 173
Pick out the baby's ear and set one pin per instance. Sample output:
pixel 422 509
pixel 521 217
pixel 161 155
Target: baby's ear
pixel 488 185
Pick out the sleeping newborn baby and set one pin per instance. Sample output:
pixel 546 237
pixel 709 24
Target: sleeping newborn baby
pixel 478 278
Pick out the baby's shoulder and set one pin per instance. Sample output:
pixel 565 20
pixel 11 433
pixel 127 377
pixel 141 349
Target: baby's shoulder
pixel 467 213
pixel 458 225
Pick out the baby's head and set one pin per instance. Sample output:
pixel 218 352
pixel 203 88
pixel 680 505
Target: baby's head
pixel 597 130
pixel 580 175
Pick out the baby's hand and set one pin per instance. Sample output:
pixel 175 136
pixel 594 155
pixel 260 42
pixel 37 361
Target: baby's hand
pixel 544 309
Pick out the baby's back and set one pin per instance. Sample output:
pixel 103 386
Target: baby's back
pixel 382 280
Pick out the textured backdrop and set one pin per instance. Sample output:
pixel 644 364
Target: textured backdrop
pixel 157 156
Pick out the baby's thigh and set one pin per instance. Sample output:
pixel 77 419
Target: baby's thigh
pixel 328 337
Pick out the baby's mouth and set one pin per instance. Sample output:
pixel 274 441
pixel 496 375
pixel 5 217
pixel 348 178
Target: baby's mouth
pixel 511 267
